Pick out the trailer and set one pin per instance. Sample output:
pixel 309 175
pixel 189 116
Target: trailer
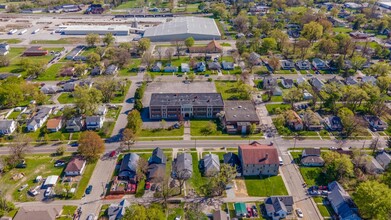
pixel 23 31
pixel 36 31
pixel 13 31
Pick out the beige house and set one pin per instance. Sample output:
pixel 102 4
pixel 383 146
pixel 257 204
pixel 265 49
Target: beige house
pixel 258 159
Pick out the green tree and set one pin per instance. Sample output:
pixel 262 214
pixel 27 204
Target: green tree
pixel 312 31
pixel 108 39
pixel 91 146
pixel 348 120
pixel 337 166
pixel 128 138
pixel 373 200
pixel 358 62
pixel 189 42
pixel 35 69
pixel 241 22
pixel 268 44
pixel 217 184
pixel 345 44
pixel 4 61
pixel 136 212
pixel 135 122
pixel 80 69
pixel 193 211
pixel 107 86
pixel 92 39
pixel 209 128
pixel 93 59
pixel 354 96
pixel 326 47
pixel 281 38
pixel 379 69
pixel 383 82
pixel 61 150
pixel 87 99
pixel 143 45
pixel 293 95
pixel 332 94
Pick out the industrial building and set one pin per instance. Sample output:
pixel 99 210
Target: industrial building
pixel 183 27
pixel 119 30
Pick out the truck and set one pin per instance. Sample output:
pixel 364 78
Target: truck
pixel 23 31
pixel 13 31
pixel 36 31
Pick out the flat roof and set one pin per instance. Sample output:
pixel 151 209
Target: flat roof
pixel 241 111
pixel 178 99
pixel 185 25
pixel 385 3
pixel 95 28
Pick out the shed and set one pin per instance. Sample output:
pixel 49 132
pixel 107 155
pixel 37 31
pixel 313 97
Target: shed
pixel 240 209
pixel 50 181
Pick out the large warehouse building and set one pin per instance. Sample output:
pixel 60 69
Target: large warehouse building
pixel 183 27
pixel 119 30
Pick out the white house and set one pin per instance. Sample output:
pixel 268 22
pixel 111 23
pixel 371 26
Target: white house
pixel 7 127
pixel 94 122
pixel 39 119
pixel 185 68
pixel 75 167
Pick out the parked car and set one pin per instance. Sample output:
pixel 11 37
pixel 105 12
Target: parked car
pixel 89 189
pixel 48 192
pixel 33 192
pixel 91 217
pixel 133 188
pixel 74 144
pixel 59 163
pixel 23 187
pixel 249 212
pixel 299 213
pixel 147 185
pixel 21 165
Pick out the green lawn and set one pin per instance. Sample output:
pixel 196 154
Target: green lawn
pixel 67 212
pixel 342 30
pixel 299 9
pixel 313 176
pixel 267 186
pixel 36 165
pixel 10 41
pixel 228 90
pixel 196 180
pixel 59 41
pixel 140 189
pixel 271 108
pixel 129 4
pixel 14 115
pixel 174 212
pixel 131 69
pixel 118 96
pixel 88 50
pixel 103 209
pixel 196 127
pixel 84 180
pixel 52 73
pixel 66 98
pixel 323 210
pixel 161 132
pixel 107 129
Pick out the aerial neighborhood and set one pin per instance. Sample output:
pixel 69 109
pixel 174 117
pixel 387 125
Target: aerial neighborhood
pixel 195 110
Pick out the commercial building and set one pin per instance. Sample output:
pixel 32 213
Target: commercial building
pixel 119 30
pixel 185 105
pixel 239 115
pixel 258 159
pixel 183 27
pixel 35 51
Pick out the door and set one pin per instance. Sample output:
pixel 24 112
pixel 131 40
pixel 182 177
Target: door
pixel 244 129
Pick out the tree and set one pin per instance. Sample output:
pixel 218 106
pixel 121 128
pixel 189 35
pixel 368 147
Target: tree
pixel 19 148
pixel 241 22
pixel 159 51
pixel 4 61
pixel 268 44
pixel 107 86
pixel 193 211
pixel 136 212
pixel 345 44
pixel 35 69
pixel 135 122
pixel 375 144
pixel 61 150
pixel 373 200
pixel 303 45
pixel 337 166
pixel 218 183
pixel 91 146
pixel 293 95
pixel 209 128
pixel 87 99
pixel 143 45
pixel 332 95
pixel 353 96
pixel 358 62
pixel 383 82
pixel 142 169
pixel 191 77
pixel 178 47
pixel 281 38
pixel 93 59
pixel 169 53
pixel 147 59
pixel 121 57
pixel 128 138
pixel 163 124
pixel 379 69
pixel 108 39
pixel 274 63
pixel 253 128
pixel 189 42
pixel 348 120
pixel 327 46
pixel 5 206
pixel 92 39
pixel 80 69
pixel 312 31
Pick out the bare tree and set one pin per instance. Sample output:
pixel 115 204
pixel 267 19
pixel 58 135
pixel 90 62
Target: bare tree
pixel 19 148
pixel 128 138
pixel 181 177
pixel 178 47
pixel 169 53
pixel 159 51
pixel 142 169
pixel 148 59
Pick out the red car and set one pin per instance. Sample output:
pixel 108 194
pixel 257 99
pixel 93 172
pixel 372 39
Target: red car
pixel 113 153
pixel 147 185
pixel 250 212
pixel 133 188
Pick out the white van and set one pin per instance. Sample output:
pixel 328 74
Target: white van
pixel 281 162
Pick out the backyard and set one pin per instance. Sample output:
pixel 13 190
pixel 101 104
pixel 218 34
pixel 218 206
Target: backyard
pixel 230 90
pixel 265 186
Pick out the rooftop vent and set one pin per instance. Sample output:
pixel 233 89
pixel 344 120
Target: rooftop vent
pixel 239 106
pixel 234 116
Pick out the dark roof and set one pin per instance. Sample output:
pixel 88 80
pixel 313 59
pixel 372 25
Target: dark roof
pixel 227 65
pixel 128 166
pixel 312 159
pixel 156 172
pixel 288 81
pixel 195 99
pixel 183 163
pixel 312 151
pixel 231 159
pixel 117 211
pixel 341 202
pixel 214 65
pixel 75 164
pixel 158 157
pixel 256 153
pixel 220 215
pixel 240 111
pixel 276 203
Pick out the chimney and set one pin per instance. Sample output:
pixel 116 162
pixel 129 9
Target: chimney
pixel 266 156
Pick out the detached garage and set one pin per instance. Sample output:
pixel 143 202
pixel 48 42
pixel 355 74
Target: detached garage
pixel 50 181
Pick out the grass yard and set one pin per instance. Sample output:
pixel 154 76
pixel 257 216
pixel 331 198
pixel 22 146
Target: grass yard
pixel 107 129
pixel 67 212
pixel 84 180
pixel 14 115
pixel 36 165
pixel 196 180
pixel 196 127
pixel 161 132
pixel 267 186
pixel 67 40
pixel 342 30
pixel 274 108
pixel 229 90
pixel 66 98
pixel 113 113
pixel 129 4
pixel 324 210
pixel 118 96
pixel 131 69
pixel 51 73
pixel 10 41
pixel 173 212
pixel 313 176
pixel 140 189
pixel 297 9
pixel 103 210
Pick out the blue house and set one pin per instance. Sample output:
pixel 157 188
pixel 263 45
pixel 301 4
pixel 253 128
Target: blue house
pixel 170 69
pixel 200 67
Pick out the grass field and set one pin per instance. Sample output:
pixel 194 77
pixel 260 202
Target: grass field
pixel 297 9
pixel 107 129
pixel 66 98
pixel 342 30
pixel 267 186
pixel 161 132
pixel 67 212
pixel 10 41
pixel 59 41
pixel 118 96
pixel 131 69
pixel 52 73
pixel 271 108
pixel 228 89
pixel 196 180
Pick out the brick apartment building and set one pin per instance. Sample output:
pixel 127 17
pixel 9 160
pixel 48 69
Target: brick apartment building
pixel 185 105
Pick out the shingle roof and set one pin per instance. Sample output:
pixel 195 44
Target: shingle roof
pixel 256 153
pixel 341 202
pixel 211 163
pixel 156 172
pixel 38 213
pixel 5 124
pixel 117 211
pixel 75 164
pixel 384 159
pixel 53 123
pixel 312 159
pixel 157 157
pixel 220 215
pixel 312 151
pixel 128 166
pixel 276 203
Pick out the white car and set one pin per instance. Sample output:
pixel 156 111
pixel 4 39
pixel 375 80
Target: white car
pixel 48 192
pixel 299 213
pixel 33 192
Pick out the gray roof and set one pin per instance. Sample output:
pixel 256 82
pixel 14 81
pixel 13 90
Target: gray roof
pixel 317 83
pixel 311 151
pixel 74 122
pixel 231 159
pixel 227 65
pixel 220 215
pixel 156 172
pixel 41 114
pixel 288 81
pixel 128 166
pixel 214 66
pixel 5 124
pixel 183 163
pixel 369 79
pixel 93 119
pixel 351 81
pixel 276 203
pixel 158 157
pixel 312 160
pixel 111 69
pixel 341 202
pixel 185 26
pixel 195 99
pixel 117 211
pixel 384 159
pixel 240 111
pixel 211 163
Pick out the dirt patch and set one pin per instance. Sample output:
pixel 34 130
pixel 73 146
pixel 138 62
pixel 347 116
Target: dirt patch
pixel 240 190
